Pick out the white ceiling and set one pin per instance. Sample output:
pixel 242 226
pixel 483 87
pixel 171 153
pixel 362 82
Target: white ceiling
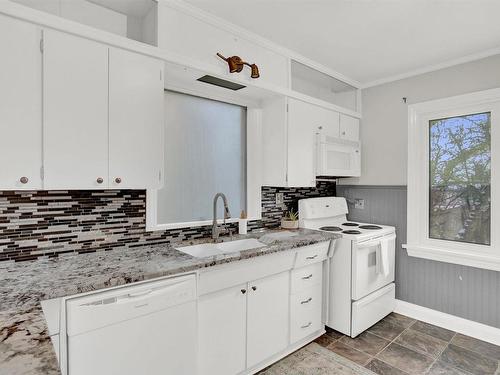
pixel 371 40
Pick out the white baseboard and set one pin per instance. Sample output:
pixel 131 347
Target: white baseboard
pixel 454 323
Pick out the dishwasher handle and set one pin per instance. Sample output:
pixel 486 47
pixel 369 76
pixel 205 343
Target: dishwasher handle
pixel 137 296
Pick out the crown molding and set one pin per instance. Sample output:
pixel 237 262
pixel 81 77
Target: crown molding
pixel 255 38
pixel 432 68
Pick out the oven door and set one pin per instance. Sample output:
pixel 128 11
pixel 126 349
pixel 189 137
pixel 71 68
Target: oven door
pixel 372 265
pixel 338 158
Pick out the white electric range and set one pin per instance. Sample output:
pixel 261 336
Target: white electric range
pixel 359 275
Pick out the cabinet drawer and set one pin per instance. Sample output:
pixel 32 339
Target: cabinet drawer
pixel 312 254
pixel 306 277
pixel 305 315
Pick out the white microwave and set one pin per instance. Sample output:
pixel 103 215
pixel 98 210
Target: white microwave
pixel 337 157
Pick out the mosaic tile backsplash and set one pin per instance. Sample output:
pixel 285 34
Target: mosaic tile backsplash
pixel 49 223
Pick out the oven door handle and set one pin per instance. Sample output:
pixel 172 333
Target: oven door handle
pixel 376 241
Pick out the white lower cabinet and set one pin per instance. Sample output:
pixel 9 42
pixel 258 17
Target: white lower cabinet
pixel 234 319
pixel 246 325
pixel 305 313
pixel 222 331
pixel 267 322
pixel 242 326
pixel 306 301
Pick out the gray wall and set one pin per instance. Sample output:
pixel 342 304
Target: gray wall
pixel 385 115
pixel 467 292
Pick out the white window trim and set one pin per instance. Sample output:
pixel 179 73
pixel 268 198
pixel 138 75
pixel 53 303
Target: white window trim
pixel 419 244
pixel 254 168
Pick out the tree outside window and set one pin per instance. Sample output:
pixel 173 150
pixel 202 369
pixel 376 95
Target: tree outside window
pixel 460 178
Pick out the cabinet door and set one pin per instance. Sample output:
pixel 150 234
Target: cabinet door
pixel 20 105
pixel 135 120
pixel 301 157
pixel 222 331
pixel 75 102
pixel 268 314
pixel 349 128
pixel 331 124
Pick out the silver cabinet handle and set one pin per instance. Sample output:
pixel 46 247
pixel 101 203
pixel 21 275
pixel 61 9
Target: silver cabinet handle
pixel 343 133
pixel 320 127
pixel 312 257
pixel 243 291
pixel 254 288
pixel 306 301
pixel 24 180
pixel 307 277
pixel 100 180
pixel 118 180
pixel 307 325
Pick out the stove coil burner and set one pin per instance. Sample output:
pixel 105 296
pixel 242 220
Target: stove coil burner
pixel 331 229
pixel 350 224
pixel 351 232
pixel 369 227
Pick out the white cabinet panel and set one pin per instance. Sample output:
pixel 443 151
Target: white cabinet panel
pixel 75 89
pixel 268 309
pixel 349 128
pixel 301 156
pixel 222 331
pixel 200 41
pixel 274 142
pixel 20 105
pixel 135 120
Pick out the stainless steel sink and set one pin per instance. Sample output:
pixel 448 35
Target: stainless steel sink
pixel 211 249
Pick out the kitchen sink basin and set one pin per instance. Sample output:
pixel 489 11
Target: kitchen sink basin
pixel 211 249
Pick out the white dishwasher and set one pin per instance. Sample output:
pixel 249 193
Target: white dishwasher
pixel 145 329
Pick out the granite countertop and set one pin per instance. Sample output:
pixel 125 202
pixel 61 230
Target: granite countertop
pixel 25 346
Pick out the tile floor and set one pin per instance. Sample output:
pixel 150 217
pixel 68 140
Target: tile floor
pixel 399 345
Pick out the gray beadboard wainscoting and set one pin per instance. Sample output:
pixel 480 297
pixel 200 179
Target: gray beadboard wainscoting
pixel 467 292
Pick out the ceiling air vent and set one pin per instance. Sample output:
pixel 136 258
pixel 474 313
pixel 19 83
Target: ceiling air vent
pixel 221 83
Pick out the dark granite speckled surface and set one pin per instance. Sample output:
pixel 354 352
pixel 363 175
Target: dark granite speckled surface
pixel 25 346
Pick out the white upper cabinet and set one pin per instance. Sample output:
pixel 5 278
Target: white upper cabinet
pixel 20 105
pixel 197 39
pixel 102 116
pixel 75 102
pixel 288 143
pixel 302 118
pixel 349 128
pixel 330 126
pixel 316 84
pixel 268 321
pixel 135 120
pixel 290 134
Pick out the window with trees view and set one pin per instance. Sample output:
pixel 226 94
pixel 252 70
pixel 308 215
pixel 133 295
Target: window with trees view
pixel 460 178
pixel 453 196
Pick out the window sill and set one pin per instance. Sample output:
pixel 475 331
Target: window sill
pixel 484 261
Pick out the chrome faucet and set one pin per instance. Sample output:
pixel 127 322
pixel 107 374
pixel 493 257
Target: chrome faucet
pixel 216 230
